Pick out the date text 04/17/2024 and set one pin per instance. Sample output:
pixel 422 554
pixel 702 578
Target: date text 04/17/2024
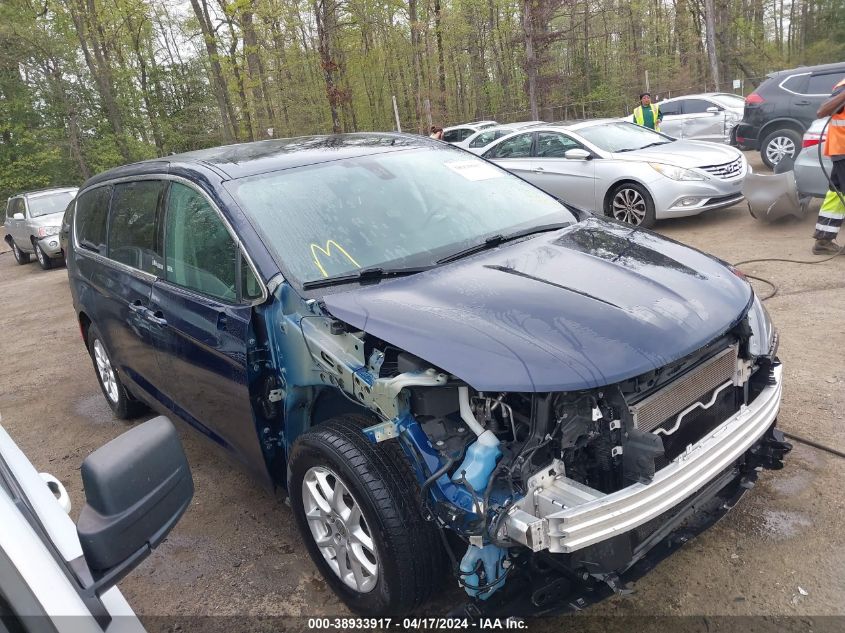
pixel 420 623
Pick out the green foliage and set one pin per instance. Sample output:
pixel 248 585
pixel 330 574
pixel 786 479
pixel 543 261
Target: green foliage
pixel 83 90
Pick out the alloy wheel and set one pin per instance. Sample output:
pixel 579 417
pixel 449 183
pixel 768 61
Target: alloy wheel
pixel 340 529
pixel 779 148
pixel 629 206
pixel 106 371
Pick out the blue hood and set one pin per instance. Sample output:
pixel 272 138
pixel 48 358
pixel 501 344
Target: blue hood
pixel 583 307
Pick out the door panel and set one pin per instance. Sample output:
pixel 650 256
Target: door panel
pixel 570 179
pixel 514 154
pixel 673 120
pixel 701 125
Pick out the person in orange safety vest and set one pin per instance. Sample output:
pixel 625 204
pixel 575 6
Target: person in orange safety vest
pixel 832 211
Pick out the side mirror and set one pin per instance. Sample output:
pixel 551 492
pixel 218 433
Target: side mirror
pixel 577 154
pixel 18 216
pixel 714 109
pixel 136 488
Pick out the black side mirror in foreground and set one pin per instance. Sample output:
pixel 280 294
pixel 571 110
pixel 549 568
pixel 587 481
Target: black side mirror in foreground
pixel 136 488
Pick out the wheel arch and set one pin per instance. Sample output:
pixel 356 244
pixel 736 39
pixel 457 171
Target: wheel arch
pixel 626 180
pixel 779 124
pixel 84 326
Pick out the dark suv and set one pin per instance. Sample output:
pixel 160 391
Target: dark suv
pixel 781 109
pixel 410 339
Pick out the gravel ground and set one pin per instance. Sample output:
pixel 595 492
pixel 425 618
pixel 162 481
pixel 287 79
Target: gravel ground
pixel 781 552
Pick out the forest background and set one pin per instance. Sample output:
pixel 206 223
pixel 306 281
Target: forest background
pixel 89 84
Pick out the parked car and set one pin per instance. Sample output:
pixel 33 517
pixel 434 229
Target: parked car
pixel 780 110
pixel 62 577
pixel 476 143
pixel 709 116
pixel 623 170
pixel 33 222
pixel 810 178
pixel 408 338
pixel 458 133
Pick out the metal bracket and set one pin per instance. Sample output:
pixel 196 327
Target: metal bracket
pixel 276 395
pixel 381 432
pixel 615 451
pixel 615 424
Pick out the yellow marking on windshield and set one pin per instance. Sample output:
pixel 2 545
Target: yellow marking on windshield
pixel 328 253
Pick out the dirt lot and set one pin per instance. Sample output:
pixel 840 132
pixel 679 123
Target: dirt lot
pixel 780 552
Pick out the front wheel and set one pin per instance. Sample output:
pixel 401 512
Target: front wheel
pixel 357 506
pixel 630 203
pixel 45 262
pixel 119 399
pixel 20 257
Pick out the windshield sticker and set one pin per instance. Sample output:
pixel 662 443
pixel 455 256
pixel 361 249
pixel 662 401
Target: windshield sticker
pixel 474 170
pixel 330 245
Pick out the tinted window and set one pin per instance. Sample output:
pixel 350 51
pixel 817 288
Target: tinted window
pixel 823 84
pixel 672 107
pixel 15 206
pixel 518 146
pixel 92 209
pixel 697 106
pixel 132 226
pixel 796 83
pixel 554 144
pixel 201 255
pixel 452 136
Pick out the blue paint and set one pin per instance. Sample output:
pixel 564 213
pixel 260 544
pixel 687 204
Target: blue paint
pixel 491 559
pixel 479 462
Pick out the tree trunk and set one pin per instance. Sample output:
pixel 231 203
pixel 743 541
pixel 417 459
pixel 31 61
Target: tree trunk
pixel 530 58
pixel 264 115
pixel 417 64
pixel 710 41
pixel 221 92
pixel 324 14
pixel 441 67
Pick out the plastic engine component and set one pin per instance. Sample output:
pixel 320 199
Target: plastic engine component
pixel 479 462
pixel 483 570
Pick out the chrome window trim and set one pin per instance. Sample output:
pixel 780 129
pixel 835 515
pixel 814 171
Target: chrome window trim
pixel 147 276
pixel 801 94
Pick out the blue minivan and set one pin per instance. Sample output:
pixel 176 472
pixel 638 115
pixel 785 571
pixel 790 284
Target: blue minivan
pixel 447 369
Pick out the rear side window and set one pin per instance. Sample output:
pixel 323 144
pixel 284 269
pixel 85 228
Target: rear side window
pixel 796 83
pixel 697 106
pixel 132 226
pixel 15 206
pixel 452 136
pixel 670 108
pixel 200 253
pixel 823 84
pixel 518 146
pixel 92 210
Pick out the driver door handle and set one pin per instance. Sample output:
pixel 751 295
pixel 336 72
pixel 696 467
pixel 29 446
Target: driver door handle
pixel 156 317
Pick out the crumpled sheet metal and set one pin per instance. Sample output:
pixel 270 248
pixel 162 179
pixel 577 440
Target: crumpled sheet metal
pixel 771 197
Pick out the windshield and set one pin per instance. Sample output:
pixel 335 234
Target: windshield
pixel 620 136
pixel 397 209
pixel 729 101
pixel 49 203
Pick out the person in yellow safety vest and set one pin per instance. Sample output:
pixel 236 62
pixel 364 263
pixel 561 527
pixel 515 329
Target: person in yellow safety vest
pixel 647 114
pixel 832 211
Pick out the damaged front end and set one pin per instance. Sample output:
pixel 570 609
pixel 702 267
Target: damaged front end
pixel 553 492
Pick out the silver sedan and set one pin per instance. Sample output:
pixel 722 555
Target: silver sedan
pixel 623 170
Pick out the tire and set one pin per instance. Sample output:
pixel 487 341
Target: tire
pixel 630 203
pixel 406 558
pixel 20 257
pixel 45 262
pixel 124 406
pixel 780 143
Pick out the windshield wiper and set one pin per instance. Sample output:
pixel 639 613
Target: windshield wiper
pixel 636 149
pixel 496 240
pixel 655 144
pixel 373 274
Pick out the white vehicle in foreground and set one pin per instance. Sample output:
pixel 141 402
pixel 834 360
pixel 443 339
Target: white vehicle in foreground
pixel 60 577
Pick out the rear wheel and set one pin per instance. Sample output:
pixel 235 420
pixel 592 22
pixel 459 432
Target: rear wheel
pixel 778 145
pixel 357 506
pixel 121 402
pixel 630 203
pixel 20 257
pixel 45 262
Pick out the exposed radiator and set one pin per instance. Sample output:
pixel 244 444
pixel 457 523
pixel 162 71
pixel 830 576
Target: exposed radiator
pixel 679 394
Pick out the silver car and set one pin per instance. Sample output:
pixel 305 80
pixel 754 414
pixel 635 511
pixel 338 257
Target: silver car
pixel 623 170
pixel 710 116
pixel 809 175
pixel 458 133
pixel 33 222
pixel 477 142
